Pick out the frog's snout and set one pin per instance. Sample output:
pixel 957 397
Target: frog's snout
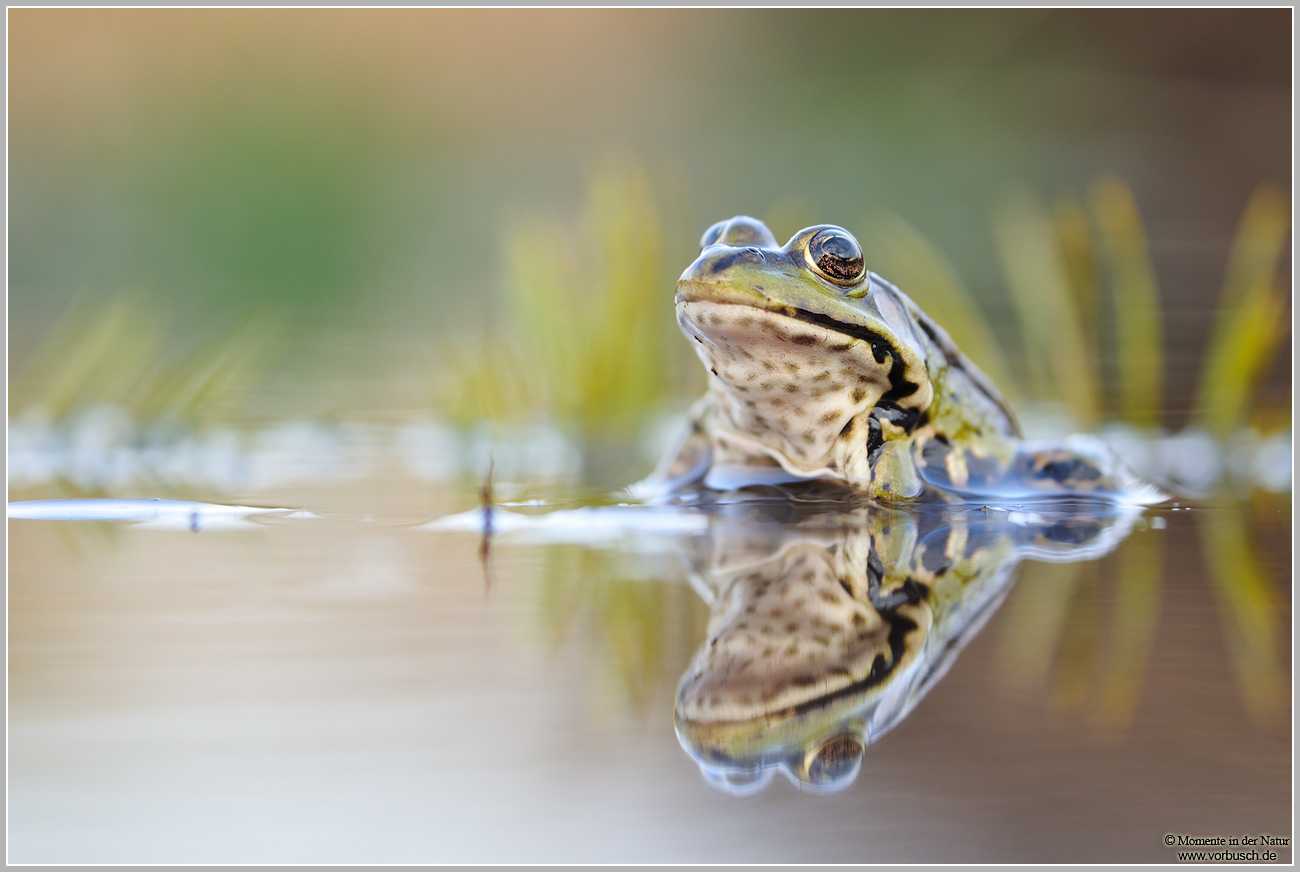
pixel 718 259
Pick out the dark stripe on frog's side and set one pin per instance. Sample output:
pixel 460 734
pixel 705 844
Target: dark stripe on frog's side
pixel 875 436
pixel 905 419
pixel 900 387
pixel 909 593
pixel 727 261
pixel 899 628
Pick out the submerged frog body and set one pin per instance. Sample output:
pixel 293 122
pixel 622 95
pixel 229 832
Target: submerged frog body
pixel 821 369
pixel 828 627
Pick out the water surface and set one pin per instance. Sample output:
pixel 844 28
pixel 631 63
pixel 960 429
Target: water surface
pixel 351 689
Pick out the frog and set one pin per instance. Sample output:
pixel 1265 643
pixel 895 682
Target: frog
pixel 829 626
pixel 820 369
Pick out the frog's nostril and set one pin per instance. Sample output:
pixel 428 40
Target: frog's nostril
pixel 758 251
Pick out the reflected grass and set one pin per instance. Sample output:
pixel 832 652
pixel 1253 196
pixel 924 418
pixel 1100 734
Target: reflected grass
pixel 1139 572
pixel 1250 607
pixel 631 617
pixel 1059 634
pixel 1084 633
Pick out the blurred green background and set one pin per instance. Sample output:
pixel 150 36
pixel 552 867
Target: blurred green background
pixel 247 216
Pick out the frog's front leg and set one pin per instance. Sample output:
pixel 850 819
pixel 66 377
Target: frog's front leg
pixel 685 464
pixel 884 468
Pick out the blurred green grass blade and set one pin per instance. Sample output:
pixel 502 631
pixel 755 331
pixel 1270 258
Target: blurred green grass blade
pixel 1257 245
pixel 1245 340
pixel 1139 332
pixel 1249 608
pixel 94 355
pixel 627 230
pixel 899 252
pixel 562 591
pixel 1074 240
pixel 114 355
pixel 586 329
pixel 540 318
pixel 479 382
pixel 210 383
pixel 1251 320
pixel 1138 570
pixel 1058 360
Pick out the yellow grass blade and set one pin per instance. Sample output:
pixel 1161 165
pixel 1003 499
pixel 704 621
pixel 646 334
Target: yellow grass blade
pixel 1251 320
pixel 1058 359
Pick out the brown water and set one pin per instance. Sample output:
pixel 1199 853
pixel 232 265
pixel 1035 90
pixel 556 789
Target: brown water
pixel 348 690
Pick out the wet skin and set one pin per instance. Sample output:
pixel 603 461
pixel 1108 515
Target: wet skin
pixel 821 369
pixel 828 626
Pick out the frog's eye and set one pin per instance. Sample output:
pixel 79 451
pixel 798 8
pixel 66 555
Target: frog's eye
pixel 712 235
pixel 834 763
pixel 835 255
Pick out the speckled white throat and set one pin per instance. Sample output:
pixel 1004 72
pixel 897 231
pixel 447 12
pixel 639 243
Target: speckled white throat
pixel 784 634
pixel 787 384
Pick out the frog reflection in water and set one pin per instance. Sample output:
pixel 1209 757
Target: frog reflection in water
pixel 821 369
pixel 827 629
pixel 822 374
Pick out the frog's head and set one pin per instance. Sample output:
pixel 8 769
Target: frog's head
pixel 828 764
pixel 801 338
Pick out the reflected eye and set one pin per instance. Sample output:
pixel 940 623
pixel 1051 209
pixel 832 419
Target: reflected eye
pixel 712 235
pixel 835 762
pixel 835 255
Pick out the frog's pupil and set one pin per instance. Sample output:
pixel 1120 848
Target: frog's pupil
pixel 837 255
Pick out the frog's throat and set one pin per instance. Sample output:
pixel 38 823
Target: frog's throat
pixel 790 637
pixel 788 382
